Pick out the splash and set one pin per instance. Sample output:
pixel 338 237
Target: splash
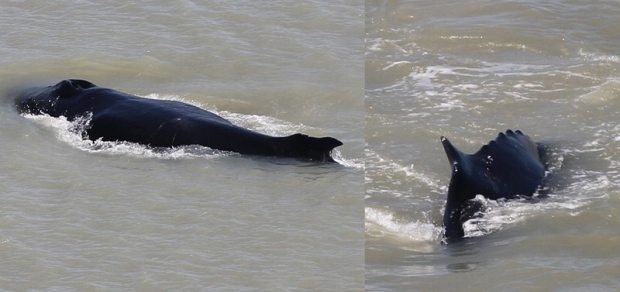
pixel 598 57
pixel 381 223
pixel 72 133
pixel 377 163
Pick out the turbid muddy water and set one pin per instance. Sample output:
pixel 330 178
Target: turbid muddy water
pixel 83 216
pixel 468 70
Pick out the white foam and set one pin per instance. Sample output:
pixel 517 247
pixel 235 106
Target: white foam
pixel 458 37
pixel 376 45
pixel 450 105
pixel 425 78
pixel 71 133
pixel 466 86
pixel 598 57
pixel 498 214
pixel 264 124
pixel 383 222
pixel 395 64
pixel 527 85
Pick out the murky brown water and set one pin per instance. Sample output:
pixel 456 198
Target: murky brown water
pixel 126 218
pixel 468 70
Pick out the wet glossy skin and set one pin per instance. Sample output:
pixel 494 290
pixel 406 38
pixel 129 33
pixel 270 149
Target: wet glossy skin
pixel 507 167
pixel 117 116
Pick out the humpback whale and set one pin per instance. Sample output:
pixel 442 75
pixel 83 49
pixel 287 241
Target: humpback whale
pixel 118 116
pixel 511 166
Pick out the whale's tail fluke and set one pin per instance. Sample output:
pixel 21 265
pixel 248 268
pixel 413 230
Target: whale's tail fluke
pixel 317 149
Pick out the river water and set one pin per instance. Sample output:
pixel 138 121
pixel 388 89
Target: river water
pixel 75 216
pixel 78 216
pixel 468 70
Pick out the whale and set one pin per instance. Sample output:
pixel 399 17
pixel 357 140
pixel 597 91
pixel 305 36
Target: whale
pixel 509 167
pixel 116 116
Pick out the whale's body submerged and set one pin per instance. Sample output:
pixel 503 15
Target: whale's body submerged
pixel 118 116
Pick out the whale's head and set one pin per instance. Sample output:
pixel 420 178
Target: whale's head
pixel 44 99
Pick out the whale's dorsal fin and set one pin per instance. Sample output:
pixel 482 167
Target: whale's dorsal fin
pixel 453 222
pixel 455 156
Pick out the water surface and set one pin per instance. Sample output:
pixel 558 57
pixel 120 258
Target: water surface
pixel 468 70
pixel 78 216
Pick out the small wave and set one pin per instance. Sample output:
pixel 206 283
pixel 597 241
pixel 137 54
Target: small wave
pixel 603 93
pixel 395 64
pixel 386 165
pixel 501 214
pixel 263 124
pixel 498 215
pixel 347 162
pixel 598 57
pixel 380 223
